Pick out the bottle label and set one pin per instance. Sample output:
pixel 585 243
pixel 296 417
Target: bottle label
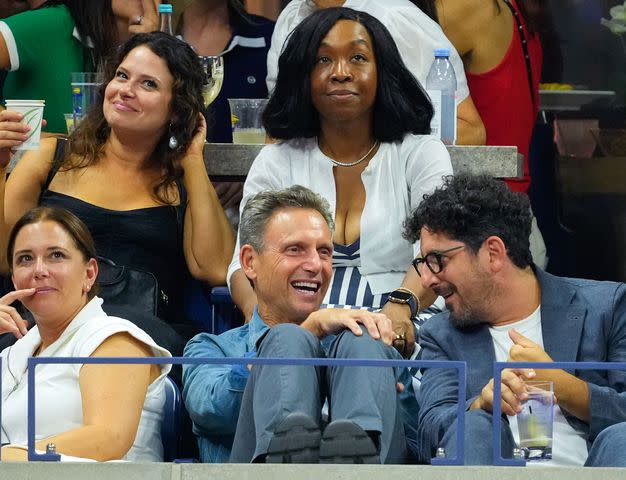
pixel 435 123
pixel 443 124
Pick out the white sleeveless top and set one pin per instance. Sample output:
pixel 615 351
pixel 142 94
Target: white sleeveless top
pixel 58 400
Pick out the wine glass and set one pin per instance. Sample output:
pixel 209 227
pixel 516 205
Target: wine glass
pixel 213 67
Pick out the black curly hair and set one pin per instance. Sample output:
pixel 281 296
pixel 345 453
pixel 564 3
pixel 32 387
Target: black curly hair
pixel 471 208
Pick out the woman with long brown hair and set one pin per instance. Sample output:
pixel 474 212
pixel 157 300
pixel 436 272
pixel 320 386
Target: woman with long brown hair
pixel 134 172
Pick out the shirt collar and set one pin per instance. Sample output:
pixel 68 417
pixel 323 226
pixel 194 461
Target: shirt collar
pixel 86 41
pixel 244 35
pixel 257 328
pixel 17 354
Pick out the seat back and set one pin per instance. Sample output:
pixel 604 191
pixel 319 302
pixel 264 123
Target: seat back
pixel 171 424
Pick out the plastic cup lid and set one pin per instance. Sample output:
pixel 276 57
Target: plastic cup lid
pixel 25 102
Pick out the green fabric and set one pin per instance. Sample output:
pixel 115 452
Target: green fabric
pixel 48 53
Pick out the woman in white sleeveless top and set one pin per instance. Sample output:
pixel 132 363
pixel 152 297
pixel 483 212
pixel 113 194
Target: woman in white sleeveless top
pixel 99 412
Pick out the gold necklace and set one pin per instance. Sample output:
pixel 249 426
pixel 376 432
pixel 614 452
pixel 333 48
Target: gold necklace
pixel 356 162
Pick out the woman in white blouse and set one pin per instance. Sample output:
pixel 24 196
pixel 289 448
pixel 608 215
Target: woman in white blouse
pixel 353 125
pixel 416 35
pixel 100 412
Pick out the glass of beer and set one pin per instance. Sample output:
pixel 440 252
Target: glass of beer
pixel 245 116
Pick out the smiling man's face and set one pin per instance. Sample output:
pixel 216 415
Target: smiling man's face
pixel 463 281
pixel 292 272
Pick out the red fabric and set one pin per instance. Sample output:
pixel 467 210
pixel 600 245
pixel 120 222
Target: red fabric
pixel 503 100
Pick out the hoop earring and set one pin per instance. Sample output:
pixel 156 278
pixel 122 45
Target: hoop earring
pixel 173 143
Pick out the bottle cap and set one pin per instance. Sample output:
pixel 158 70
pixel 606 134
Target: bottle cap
pixel 442 52
pixel 166 8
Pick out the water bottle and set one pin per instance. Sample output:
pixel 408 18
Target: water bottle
pixel 165 17
pixel 441 87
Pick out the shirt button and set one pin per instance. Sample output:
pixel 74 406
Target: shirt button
pixel 251 80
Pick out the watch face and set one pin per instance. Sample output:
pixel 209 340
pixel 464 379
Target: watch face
pixel 400 295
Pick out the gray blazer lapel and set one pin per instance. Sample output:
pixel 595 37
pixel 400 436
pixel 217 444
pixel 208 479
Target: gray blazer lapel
pixel 561 319
pixel 479 354
pixel 562 331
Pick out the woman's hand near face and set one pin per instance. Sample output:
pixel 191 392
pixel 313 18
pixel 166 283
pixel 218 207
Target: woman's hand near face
pixel 10 320
pixel 149 20
pixel 194 156
pixel 196 147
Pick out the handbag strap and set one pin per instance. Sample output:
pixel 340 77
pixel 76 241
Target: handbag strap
pixel 119 269
pixel 522 34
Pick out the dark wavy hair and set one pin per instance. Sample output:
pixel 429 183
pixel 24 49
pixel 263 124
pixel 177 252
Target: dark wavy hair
pixel 87 141
pixel 401 104
pixel 70 223
pixel 471 208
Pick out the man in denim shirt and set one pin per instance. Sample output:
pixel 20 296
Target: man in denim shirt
pixel 274 413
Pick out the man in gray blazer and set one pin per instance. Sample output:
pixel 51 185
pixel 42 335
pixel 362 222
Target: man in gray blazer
pixel 474 247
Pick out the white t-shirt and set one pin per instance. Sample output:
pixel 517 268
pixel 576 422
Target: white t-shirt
pixel 395 182
pixel 415 33
pixel 569 447
pixel 57 392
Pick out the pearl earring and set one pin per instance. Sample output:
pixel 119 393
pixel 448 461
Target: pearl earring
pixel 173 143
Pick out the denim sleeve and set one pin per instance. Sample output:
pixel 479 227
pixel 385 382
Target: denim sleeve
pixel 212 393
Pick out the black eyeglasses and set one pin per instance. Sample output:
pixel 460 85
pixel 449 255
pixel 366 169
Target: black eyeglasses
pixel 433 260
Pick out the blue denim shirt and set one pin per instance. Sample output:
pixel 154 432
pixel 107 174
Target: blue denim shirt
pixel 212 393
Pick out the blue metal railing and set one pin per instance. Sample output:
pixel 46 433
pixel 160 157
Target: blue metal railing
pixel 497 409
pixel 461 367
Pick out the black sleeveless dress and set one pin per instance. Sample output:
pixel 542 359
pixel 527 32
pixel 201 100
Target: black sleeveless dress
pixel 149 239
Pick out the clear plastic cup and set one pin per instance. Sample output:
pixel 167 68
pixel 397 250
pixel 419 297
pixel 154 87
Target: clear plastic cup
pixel 33 116
pixel 535 421
pixel 84 87
pixel 245 116
pixel 71 121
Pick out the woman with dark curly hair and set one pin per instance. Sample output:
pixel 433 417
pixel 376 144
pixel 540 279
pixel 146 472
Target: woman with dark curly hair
pixel 134 171
pixel 353 124
pixel 39 48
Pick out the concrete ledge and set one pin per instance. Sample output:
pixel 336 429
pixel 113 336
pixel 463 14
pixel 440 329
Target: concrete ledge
pixel 232 161
pixel 167 471
pixel 88 471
